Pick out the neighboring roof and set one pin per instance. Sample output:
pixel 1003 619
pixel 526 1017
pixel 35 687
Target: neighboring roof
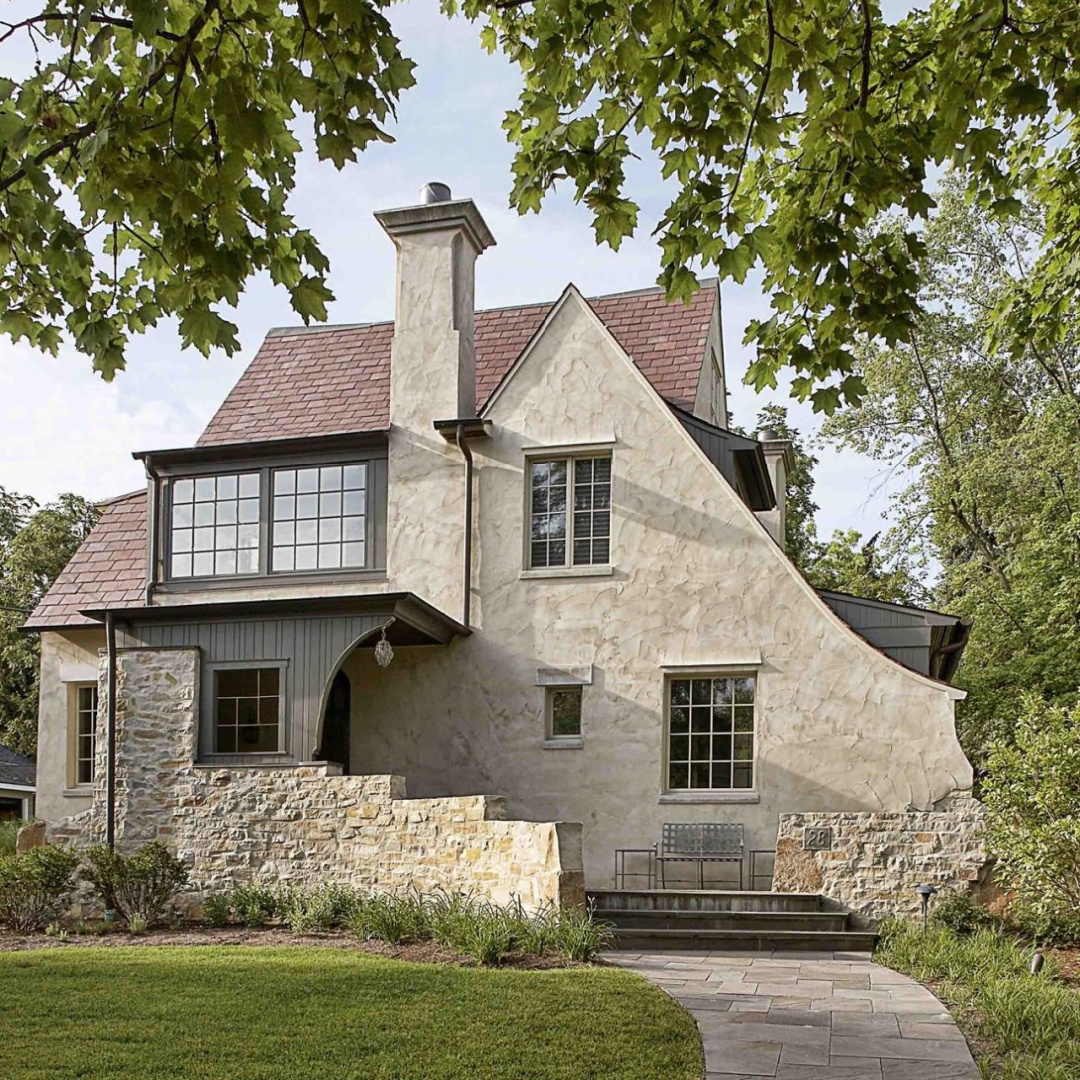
pixel 330 380
pixel 16 770
pixel 108 570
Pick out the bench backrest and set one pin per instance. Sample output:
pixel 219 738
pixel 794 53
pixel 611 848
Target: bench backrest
pixel 701 838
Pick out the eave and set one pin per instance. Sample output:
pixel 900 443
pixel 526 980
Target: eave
pixel 263 448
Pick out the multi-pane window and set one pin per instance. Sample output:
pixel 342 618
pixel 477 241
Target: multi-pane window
pixel 570 512
pixel 215 525
pixel 86 704
pixel 319 518
pixel 564 712
pixel 711 733
pixel 247 710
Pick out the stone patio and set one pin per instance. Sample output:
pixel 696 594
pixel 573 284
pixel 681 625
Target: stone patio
pixel 808 1016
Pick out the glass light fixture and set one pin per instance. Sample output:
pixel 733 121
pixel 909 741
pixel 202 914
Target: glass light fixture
pixel 384 651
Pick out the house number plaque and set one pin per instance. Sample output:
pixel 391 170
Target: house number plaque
pixel 817 838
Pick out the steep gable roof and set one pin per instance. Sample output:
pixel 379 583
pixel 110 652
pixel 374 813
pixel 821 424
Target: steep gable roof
pixel 324 381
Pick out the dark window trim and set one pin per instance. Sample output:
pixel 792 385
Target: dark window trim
pixel 375 523
pixel 208 712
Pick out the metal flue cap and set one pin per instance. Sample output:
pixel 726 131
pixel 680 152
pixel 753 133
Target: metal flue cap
pixel 434 192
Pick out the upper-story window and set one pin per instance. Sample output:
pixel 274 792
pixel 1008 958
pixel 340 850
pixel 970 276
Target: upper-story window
pixel 215 525
pixel 320 518
pixel 570 511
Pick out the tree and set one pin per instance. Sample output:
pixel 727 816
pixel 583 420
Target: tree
pixel 146 162
pixel 988 433
pixel 35 545
pixel 785 127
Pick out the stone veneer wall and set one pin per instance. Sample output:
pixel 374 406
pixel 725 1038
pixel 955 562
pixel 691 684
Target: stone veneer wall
pixel 303 825
pixel 871 863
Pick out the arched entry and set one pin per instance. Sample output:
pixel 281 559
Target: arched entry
pixel 337 721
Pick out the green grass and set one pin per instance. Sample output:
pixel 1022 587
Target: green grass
pixel 255 1013
pixel 1024 1027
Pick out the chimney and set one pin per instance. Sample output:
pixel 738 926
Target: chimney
pixel 433 362
pixel 779 459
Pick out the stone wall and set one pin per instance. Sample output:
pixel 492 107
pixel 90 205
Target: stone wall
pixel 871 863
pixel 304 825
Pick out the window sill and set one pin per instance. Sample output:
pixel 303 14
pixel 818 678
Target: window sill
pixel 567 572
pixel 689 798
pixel 563 744
pixel 85 791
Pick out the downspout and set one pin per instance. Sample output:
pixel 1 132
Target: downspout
pixel 466 453
pixel 110 732
pixel 155 530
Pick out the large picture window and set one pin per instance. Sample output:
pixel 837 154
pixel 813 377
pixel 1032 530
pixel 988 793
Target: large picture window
pixel 215 525
pixel 711 733
pixel 247 710
pixel 320 518
pixel 570 512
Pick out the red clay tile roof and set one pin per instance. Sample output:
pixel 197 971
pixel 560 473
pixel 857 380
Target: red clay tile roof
pixel 108 570
pixel 328 381
pixel 337 380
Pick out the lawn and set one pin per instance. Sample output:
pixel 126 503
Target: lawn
pixel 257 1013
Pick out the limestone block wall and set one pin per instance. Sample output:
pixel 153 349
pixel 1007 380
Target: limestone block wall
pixel 305 825
pixel 871 863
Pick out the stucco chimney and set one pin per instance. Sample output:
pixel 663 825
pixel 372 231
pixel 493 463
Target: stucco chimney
pixel 433 362
pixel 779 458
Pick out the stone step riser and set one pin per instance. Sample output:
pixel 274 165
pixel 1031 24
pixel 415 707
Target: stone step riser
pixel 763 922
pixel 705 940
pixel 680 900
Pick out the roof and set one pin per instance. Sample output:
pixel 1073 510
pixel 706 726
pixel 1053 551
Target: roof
pixel 16 770
pixel 332 380
pixel 108 570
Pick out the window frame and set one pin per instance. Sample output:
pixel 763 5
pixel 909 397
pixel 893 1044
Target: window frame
pixel 208 712
pixel 74 713
pixel 560 741
pixel 569 454
pixel 669 794
pixel 374 523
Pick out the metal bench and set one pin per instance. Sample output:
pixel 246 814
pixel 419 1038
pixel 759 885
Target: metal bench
pixel 700 842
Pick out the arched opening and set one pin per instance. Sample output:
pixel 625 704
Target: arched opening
pixel 337 721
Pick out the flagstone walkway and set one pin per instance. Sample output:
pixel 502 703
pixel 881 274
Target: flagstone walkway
pixel 808 1016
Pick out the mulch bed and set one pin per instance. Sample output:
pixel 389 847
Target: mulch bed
pixel 421 952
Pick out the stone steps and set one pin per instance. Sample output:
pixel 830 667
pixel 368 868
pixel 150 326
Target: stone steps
pixel 671 919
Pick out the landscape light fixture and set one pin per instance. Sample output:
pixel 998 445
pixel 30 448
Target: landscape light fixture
pixel 925 892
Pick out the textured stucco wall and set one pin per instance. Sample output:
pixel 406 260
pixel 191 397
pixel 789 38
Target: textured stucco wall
pixel 303 825
pixel 695 580
pixel 872 863
pixel 65 658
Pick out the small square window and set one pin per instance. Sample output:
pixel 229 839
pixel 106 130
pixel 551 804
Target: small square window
pixel 564 712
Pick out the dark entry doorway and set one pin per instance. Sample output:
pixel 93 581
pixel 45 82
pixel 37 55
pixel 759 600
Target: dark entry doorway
pixel 337 721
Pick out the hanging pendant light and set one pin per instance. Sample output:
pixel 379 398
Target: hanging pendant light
pixel 384 651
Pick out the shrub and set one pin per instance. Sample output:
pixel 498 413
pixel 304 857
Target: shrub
pixel 137 925
pixel 958 910
pixel 580 937
pixel 255 905
pixel 136 885
pixel 324 908
pixel 1032 797
pixel 217 909
pixel 34 886
pixel 1051 926
pixel 392 918
pixel 9 833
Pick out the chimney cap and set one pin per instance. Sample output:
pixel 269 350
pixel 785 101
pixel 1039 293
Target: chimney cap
pixel 434 192
pixel 768 434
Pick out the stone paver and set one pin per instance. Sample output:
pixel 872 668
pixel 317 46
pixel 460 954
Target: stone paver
pixel 809 1016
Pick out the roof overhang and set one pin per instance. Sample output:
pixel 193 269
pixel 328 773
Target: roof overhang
pixel 263 448
pixel 416 621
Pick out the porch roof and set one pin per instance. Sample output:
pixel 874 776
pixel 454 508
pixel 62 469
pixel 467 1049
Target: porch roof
pixel 416 621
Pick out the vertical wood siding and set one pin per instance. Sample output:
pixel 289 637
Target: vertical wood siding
pixel 310 646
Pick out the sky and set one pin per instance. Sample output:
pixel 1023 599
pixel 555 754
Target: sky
pixel 63 429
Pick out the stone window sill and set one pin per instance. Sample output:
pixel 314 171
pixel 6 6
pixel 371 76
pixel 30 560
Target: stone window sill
pixel 567 572
pixel 691 797
pixel 563 744
pixel 85 792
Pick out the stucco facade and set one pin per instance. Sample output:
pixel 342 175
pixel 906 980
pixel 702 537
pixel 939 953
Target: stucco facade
pixel 695 583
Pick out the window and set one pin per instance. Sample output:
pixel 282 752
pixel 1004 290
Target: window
pixel 711 733
pixel 84 704
pixel 564 712
pixel 570 512
pixel 215 525
pixel 320 517
pixel 247 710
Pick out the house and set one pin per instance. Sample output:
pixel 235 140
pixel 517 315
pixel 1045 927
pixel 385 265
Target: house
pixel 16 786
pixel 516 557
